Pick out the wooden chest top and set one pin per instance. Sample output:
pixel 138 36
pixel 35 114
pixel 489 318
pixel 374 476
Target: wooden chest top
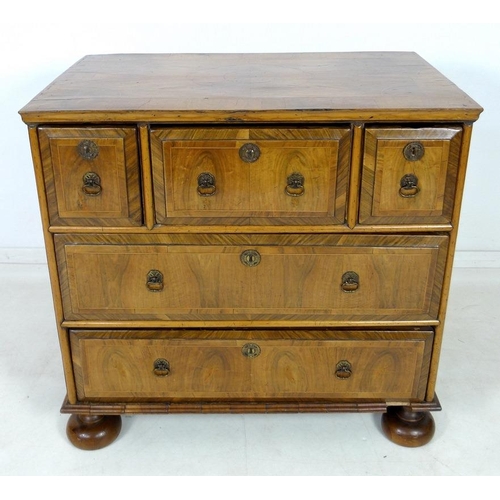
pixel 365 86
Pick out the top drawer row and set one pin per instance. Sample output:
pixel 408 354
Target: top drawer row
pixel 250 175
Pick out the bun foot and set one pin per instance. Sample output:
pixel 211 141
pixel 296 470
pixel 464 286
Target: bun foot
pixel 93 432
pixel 406 427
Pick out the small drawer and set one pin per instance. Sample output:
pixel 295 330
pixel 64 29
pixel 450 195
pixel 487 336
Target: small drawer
pixel 165 365
pixel 257 277
pixel 91 176
pixel 224 175
pixel 409 175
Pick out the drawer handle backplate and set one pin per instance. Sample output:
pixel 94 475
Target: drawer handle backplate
pixel 414 151
pixel 249 152
pixel 161 367
pixel 250 258
pixel 350 282
pixel 343 369
pixel 295 184
pixel 206 184
pixel 154 281
pixel 91 184
pixel 409 186
pixel 88 150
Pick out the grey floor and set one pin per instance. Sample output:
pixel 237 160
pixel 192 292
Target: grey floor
pixel 32 432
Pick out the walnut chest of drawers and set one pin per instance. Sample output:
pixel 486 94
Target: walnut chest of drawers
pixel 250 233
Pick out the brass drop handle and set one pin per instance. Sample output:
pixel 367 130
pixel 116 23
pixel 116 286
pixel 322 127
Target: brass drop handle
pixel 250 258
pixel 154 281
pixel 350 282
pixel 343 370
pixel 206 184
pixel 91 184
pixel 409 186
pixel 161 367
pixel 295 184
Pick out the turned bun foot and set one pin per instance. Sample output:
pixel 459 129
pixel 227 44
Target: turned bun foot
pixel 406 427
pixel 93 432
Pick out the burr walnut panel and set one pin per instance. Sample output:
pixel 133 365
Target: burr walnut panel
pixel 165 365
pixel 399 278
pixel 261 187
pixel 409 175
pixel 91 176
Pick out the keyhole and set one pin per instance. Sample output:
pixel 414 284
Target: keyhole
pixel 413 151
pixel 250 258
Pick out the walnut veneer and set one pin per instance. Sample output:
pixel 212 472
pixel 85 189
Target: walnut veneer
pixel 250 233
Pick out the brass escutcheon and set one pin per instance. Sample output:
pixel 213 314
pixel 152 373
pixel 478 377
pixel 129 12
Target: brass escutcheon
pixel 87 149
pixel 414 151
pixel 250 350
pixel 250 258
pixel 249 152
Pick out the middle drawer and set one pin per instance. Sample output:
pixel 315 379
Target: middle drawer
pixel 251 277
pixel 253 175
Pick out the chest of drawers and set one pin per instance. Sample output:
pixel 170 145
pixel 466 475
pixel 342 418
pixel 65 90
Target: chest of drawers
pixel 250 233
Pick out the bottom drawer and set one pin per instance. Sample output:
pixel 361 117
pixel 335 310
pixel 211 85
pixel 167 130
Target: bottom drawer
pixel 251 365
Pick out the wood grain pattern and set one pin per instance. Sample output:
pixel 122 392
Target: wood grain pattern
pixel 52 266
pixel 460 183
pixel 165 88
pixel 294 405
pixel 147 177
pixel 117 165
pixel 250 190
pixel 400 279
pixel 206 364
pixel 384 165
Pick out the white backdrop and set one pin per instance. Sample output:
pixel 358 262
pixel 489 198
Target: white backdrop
pixel 33 54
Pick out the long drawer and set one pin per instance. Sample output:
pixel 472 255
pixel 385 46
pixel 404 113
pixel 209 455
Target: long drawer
pixel 190 364
pixel 213 277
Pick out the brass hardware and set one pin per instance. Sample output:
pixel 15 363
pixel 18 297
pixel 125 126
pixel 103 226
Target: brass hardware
pixel 350 282
pixel 414 151
pixel 250 258
pixel 250 350
pixel 161 367
pixel 343 369
pixel 249 152
pixel 206 184
pixel 91 184
pixel 295 184
pixel 409 186
pixel 88 150
pixel 154 281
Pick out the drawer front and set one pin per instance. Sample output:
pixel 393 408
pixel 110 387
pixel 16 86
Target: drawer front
pixel 91 176
pixel 222 175
pixel 363 278
pixel 409 175
pixel 166 365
